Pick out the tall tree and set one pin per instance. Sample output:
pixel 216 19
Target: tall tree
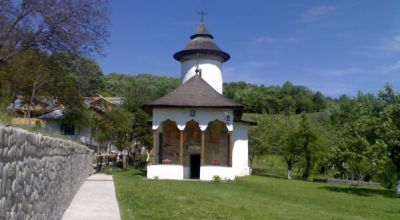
pixel 60 26
pixel 138 90
pixel 258 141
pixel 115 127
pixel 30 74
pixel 87 73
pixel 304 141
pixel 290 152
pixel 271 136
pixel 390 132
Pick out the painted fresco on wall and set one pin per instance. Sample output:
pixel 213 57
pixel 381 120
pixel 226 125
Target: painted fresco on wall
pixel 170 148
pixel 216 146
pixel 215 131
pixel 192 134
pixel 171 132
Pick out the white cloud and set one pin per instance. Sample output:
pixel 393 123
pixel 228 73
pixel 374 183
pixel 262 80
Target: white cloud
pixel 336 72
pixel 384 47
pixel 343 35
pixel 315 14
pixel 330 88
pixel 232 74
pixel 293 39
pixel 391 67
pixel 391 45
pixel 263 40
pixel 260 63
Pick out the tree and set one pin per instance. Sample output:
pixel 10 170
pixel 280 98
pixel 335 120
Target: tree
pixel 390 133
pixel 388 95
pixel 271 136
pixel 290 152
pixel 288 104
pixel 137 91
pixel 33 74
pixel 303 141
pixel 368 143
pixel 257 140
pixel 4 114
pixel 87 73
pixel 58 26
pixel 115 127
pixel 319 101
pixel 29 74
pixel 275 99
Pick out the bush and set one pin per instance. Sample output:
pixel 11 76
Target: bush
pixel 4 115
pixel 387 175
pixel 217 179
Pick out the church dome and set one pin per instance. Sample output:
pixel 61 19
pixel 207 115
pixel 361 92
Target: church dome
pixel 201 43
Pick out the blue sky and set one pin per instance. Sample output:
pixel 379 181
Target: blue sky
pixel 336 47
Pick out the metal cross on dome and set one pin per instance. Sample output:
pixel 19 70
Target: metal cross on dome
pixel 202 13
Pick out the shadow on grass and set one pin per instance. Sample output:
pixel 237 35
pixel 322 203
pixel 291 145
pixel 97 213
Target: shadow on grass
pixel 140 172
pixel 268 175
pixel 264 173
pixel 361 191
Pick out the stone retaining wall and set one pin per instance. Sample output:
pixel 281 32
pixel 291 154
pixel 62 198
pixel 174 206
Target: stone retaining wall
pixel 39 175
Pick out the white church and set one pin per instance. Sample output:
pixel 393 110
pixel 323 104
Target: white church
pixel 197 132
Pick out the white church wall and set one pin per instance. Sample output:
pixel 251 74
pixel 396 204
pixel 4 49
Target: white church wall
pixel 240 160
pixel 207 173
pixel 186 172
pixel 210 72
pixel 181 116
pixel 172 172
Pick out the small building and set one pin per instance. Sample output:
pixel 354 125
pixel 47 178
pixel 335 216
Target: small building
pixel 83 134
pixel 197 132
pixel 49 113
pixel 23 115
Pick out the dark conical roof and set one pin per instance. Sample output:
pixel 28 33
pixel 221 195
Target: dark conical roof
pixel 201 43
pixel 201 31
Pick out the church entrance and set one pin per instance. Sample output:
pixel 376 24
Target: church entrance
pixel 195 166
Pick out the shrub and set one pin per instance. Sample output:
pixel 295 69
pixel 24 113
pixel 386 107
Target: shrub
pixel 217 179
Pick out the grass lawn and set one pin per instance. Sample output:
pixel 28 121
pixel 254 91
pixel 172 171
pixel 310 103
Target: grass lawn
pixel 253 197
pixel 275 166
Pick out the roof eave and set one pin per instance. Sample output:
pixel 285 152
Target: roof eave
pixel 181 54
pixel 246 121
pixel 149 107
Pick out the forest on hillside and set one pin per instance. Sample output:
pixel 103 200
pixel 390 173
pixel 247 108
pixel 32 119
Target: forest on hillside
pixel 359 136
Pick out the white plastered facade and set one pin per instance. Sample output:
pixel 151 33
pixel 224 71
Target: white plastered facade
pixel 210 72
pixel 202 116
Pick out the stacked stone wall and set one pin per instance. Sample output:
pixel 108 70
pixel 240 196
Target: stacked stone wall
pixel 39 175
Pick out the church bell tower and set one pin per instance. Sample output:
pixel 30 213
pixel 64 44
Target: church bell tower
pixel 203 57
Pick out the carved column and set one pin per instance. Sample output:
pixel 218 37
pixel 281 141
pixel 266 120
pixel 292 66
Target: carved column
pixel 203 142
pixel 181 147
pixel 230 148
pixel 154 150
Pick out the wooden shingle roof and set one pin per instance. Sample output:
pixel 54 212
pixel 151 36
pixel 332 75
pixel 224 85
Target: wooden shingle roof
pixel 201 43
pixel 194 93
